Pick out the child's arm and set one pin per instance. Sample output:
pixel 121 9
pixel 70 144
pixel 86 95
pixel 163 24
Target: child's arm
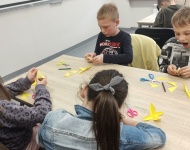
pixel 172 70
pixel 21 84
pixel 98 59
pixel 184 72
pixel 130 122
pixel 165 57
pixel 145 136
pixel 13 115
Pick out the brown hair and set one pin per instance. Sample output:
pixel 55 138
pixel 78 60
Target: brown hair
pixel 108 10
pixel 106 115
pixel 181 17
pixel 4 95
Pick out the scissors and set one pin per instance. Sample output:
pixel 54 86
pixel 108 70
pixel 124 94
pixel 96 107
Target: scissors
pixel 131 112
pixel 151 76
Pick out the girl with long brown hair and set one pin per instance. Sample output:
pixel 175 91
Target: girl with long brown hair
pixel 98 123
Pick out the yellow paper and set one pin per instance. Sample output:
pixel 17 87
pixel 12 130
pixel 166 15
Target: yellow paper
pixel 84 69
pixel 186 91
pixel 172 83
pixel 171 89
pixel 67 74
pixel 34 84
pixel 73 71
pixel 154 85
pixel 24 96
pixel 60 63
pixel 153 114
pixel 162 78
pixel 40 75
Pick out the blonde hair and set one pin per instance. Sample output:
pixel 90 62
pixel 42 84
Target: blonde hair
pixel 108 10
pixel 181 17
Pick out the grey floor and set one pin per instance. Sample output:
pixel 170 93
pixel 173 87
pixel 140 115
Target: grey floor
pixel 90 45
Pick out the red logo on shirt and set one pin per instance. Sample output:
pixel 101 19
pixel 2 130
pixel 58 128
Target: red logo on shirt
pixel 111 44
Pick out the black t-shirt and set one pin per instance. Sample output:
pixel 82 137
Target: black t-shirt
pixel 116 49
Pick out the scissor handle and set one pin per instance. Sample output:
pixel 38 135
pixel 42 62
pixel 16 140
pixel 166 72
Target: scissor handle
pixel 131 113
pixel 144 79
pixel 151 76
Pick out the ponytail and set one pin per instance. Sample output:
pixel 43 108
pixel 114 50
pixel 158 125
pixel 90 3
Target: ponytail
pixel 106 121
pixel 107 90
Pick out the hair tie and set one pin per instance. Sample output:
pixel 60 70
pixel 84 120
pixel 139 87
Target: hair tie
pixel 114 81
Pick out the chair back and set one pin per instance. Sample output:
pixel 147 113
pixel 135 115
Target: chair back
pixel 159 35
pixel 145 52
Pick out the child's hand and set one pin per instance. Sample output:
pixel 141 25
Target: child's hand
pixel 32 73
pixel 89 56
pixel 184 72
pixel 41 81
pixel 172 70
pixel 98 59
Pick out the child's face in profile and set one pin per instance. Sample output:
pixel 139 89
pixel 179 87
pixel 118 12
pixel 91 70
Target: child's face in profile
pixel 108 27
pixel 183 35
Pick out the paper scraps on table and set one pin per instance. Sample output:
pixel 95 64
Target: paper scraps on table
pixel 162 78
pixel 186 90
pixel 153 114
pixel 72 72
pixel 25 96
pixel 60 63
pixel 174 86
pixel 154 85
pixel 84 69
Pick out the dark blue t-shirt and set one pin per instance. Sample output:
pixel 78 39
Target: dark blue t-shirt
pixel 116 49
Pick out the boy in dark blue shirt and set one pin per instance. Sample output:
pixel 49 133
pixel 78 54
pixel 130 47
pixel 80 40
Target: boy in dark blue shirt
pixel 113 45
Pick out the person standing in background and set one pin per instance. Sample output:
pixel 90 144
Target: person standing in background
pixel 167 8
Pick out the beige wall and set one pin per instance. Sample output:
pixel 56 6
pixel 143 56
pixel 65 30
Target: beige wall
pixel 31 34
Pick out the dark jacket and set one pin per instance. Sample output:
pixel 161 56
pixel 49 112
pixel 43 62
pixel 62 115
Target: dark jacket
pixel 164 16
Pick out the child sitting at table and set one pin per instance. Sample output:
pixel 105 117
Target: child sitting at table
pixel 113 45
pixel 167 10
pixel 175 55
pixel 18 127
pixel 98 123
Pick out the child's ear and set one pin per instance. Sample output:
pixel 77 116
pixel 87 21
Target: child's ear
pixel 117 22
pixel 83 92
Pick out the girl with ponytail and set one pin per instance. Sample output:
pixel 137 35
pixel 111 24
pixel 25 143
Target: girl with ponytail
pixel 98 123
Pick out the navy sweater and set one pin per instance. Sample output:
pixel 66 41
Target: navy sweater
pixel 116 49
